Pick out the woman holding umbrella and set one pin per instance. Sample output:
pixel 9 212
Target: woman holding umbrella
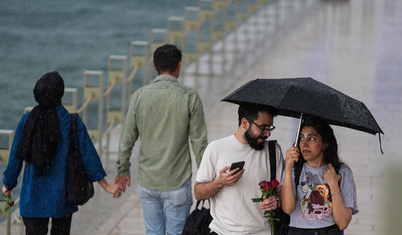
pixel 324 198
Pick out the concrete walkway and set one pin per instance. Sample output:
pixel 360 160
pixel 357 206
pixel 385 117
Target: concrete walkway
pixel 352 46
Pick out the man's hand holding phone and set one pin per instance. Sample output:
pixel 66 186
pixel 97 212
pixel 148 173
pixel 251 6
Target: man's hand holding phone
pixel 237 165
pixel 229 178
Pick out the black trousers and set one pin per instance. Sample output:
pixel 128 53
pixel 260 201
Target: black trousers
pixel 39 226
pixel 331 230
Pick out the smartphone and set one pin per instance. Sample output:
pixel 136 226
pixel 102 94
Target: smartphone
pixel 235 165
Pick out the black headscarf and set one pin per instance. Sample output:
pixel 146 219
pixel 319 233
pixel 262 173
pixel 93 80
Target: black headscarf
pixel 41 133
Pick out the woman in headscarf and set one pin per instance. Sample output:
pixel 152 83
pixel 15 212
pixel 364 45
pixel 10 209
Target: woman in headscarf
pixel 42 141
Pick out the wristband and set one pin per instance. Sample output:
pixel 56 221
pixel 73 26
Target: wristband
pixel 333 194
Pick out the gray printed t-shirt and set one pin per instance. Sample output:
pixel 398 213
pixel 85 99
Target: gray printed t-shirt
pixel 313 201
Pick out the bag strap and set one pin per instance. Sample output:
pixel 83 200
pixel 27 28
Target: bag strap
pixel 73 130
pixel 298 169
pixel 272 158
pixel 272 162
pixel 198 203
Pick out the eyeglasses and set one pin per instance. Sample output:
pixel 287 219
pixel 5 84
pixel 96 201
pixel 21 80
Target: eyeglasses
pixel 263 130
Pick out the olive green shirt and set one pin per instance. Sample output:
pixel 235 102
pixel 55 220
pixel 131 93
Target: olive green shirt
pixel 164 115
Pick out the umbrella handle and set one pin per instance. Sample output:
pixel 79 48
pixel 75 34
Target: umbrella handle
pixel 298 131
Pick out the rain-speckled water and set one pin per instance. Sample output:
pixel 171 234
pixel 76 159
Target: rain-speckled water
pixel 38 36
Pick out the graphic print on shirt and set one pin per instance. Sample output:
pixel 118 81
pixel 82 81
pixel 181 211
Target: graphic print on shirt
pixel 316 204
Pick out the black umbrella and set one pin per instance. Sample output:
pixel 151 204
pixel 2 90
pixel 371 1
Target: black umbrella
pixel 296 96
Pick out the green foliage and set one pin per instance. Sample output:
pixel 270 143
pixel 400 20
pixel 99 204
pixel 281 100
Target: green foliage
pixel 10 203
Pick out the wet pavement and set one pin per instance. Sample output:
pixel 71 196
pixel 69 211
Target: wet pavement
pixel 352 46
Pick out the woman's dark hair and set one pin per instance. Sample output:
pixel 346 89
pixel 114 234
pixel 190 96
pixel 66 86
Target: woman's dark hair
pixel 328 137
pixel 248 110
pixel 167 58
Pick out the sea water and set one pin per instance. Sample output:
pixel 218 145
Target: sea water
pixel 39 36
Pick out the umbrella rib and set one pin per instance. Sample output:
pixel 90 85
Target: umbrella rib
pixel 287 92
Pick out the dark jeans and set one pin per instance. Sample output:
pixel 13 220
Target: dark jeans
pixel 331 230
pixel 39 226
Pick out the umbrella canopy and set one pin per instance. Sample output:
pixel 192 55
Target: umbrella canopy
pixel 295 96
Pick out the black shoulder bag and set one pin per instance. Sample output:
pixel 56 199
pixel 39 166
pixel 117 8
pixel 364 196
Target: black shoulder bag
pixel 282 226
pixel 197 223
pixel 78 188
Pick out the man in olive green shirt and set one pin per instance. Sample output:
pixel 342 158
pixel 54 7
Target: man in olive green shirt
pixel 164 115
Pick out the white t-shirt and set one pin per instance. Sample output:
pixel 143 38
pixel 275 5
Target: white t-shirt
pixel 232 209
pixel 314 202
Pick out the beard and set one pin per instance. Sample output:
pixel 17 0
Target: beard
pixel 253 141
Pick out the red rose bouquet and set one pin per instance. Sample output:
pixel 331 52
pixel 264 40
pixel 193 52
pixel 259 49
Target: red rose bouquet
pixel 268 189
pixel 10 203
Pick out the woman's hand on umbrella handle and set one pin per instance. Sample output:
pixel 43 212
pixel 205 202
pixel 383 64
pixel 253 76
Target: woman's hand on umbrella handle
pixel 292 156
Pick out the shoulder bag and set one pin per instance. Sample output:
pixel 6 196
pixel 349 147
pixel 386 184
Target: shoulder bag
pixel 78 188
pixel 197 223
pixel 281 226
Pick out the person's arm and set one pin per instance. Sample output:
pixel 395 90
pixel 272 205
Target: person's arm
pixel 197 128
pixel 129 135
pixel 14 165
pixel 288 198
pixel 342 214
pixel 207 190
pixel 123 181
pixel 6 191
pixel 269 204
pixel 114 189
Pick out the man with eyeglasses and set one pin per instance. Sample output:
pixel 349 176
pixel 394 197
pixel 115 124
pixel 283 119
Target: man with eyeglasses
pixel 232 209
